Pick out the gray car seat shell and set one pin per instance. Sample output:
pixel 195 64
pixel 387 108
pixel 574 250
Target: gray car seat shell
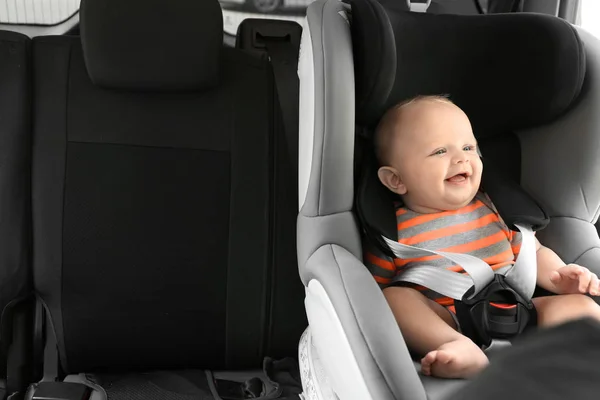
pixel 567 151
pixel 353 348
pixel 341 293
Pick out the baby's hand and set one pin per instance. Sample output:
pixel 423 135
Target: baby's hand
pixel 574 278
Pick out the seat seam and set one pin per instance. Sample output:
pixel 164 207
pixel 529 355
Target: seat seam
pixel 147 146
pixel 585 252
pixel 64 192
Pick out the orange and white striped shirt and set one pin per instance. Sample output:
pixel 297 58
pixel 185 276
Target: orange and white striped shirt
pixel 475 229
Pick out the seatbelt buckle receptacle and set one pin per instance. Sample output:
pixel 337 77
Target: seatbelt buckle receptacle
pixel 496 312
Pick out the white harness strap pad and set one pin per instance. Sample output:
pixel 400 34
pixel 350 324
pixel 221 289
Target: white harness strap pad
pixel 522 277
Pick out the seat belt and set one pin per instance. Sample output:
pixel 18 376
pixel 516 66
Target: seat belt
pixel 281 41
pixel 50 357
pixel 284 60
pixel 491 306
pixel 50 366
pixel 522 276
pixel 504 6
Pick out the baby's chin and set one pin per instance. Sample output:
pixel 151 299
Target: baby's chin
pixel 457 204
pixel 450 203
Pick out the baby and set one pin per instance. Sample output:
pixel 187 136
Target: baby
pixel 428 155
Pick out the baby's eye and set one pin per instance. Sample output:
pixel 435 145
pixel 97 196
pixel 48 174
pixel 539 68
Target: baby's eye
pixel 469 148
pixel 438 152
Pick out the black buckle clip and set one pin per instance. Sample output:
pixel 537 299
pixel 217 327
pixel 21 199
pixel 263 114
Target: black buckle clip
pixel 497 312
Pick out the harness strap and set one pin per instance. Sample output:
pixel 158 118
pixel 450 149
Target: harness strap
pixel 521 276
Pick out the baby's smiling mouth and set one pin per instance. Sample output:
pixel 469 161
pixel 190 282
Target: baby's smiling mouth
pixel 461 177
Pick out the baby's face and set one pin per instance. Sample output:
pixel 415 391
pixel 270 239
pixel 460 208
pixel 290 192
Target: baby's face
pixel 435 155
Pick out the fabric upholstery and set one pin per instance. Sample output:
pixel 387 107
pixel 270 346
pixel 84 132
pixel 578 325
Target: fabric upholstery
pixel 494 67
pixel 15 154
pixel 152 45
pixel 154 218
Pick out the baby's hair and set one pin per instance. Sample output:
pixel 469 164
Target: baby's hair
pixel 387 124
pixel 440 98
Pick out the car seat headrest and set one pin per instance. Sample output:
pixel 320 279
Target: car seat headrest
pixel 495 67
pixel 375 205
pixel 152 45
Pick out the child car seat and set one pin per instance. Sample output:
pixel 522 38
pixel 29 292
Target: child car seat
pixel 531 103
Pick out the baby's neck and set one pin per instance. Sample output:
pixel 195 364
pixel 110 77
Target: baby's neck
pixel 428 210
pixel 424 210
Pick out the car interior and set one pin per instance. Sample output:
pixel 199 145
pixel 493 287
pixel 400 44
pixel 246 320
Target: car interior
pixel 137 137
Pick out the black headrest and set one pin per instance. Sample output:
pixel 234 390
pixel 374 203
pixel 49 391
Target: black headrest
pixel 507 71
pixel 375 204
pixel 157 45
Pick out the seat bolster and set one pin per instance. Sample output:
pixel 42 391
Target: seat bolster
pixel 354 330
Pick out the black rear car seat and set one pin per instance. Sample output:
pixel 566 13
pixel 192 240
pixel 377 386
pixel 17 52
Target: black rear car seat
pixel 15 153
pixel 156 234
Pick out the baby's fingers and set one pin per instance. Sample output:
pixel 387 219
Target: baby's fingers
pixel 585 278
pixel 594 288
pixel 555 277
pixel 571 271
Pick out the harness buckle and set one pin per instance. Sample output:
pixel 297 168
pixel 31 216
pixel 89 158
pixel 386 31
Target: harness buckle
pixel 496 312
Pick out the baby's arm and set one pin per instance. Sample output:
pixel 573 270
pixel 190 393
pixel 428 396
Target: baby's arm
pixel 547 263
pixel 557 277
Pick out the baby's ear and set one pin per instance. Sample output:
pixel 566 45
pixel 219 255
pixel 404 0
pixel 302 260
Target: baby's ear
pixel 390 178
